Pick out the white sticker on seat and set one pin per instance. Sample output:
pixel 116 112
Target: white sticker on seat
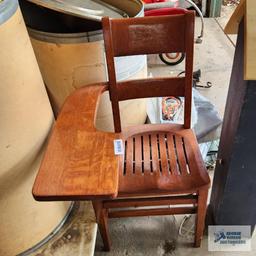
pixel 118 147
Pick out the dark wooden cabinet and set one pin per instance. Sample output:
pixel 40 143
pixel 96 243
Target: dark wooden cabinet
pixel 233 199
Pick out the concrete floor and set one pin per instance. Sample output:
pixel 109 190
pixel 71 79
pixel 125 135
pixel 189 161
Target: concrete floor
pixel 157 235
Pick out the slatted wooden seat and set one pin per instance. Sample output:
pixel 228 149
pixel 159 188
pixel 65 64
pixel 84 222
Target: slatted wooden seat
pixel 162 164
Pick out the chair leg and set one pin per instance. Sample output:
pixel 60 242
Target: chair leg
pixel 200 219
pixel 102 221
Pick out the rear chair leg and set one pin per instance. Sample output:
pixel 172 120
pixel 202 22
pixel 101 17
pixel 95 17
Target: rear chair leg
pixel 200 218
pixel 102 221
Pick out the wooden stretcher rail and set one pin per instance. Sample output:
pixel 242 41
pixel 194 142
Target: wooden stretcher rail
pixel 153 212
pixel 120 203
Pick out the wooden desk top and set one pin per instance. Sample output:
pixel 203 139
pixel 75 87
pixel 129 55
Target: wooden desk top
pixel 79 160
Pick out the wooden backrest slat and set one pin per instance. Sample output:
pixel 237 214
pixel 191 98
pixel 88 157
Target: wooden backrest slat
pixel 133 38
pixel 152 87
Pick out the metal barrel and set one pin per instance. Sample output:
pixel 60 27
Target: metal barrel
pixel 26 119
pixel 72 56
pixel 7 9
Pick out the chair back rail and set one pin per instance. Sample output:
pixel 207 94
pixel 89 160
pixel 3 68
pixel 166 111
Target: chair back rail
pixel 149 35
pixel 152 87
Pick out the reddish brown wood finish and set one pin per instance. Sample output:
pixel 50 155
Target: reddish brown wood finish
pixel 171 166
pixel 136 202
pixel 149 35
pixel 161 165
pixel 189 38
pixel 159 160
pixel 151 87
pixel 151 212
pixel 79 162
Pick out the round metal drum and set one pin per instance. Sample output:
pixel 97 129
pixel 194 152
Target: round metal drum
pixel 70 54
pixel 26 119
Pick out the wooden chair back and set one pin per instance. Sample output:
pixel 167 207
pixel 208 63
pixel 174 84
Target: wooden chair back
pixel 150 35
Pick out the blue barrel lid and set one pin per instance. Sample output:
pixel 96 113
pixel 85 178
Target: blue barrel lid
pixel 7 9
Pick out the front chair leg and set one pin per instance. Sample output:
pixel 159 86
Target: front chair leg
pixel 200 218
pixel 102 221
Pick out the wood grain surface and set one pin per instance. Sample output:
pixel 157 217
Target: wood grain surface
pixel 79 162
pixel 161 161
pixel 233 23
pixel 149 35
pixel 247 10
pixel 250 41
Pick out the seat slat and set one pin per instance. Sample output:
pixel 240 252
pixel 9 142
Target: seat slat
pixel 129 161
pixel 164 160
pixel 172 154
pixel 154 153
pixel 167 153
pixel 151 87
pixel 181 156
pixel 192 160
pixel 185 154
pixel 146 149
pixel 138 156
